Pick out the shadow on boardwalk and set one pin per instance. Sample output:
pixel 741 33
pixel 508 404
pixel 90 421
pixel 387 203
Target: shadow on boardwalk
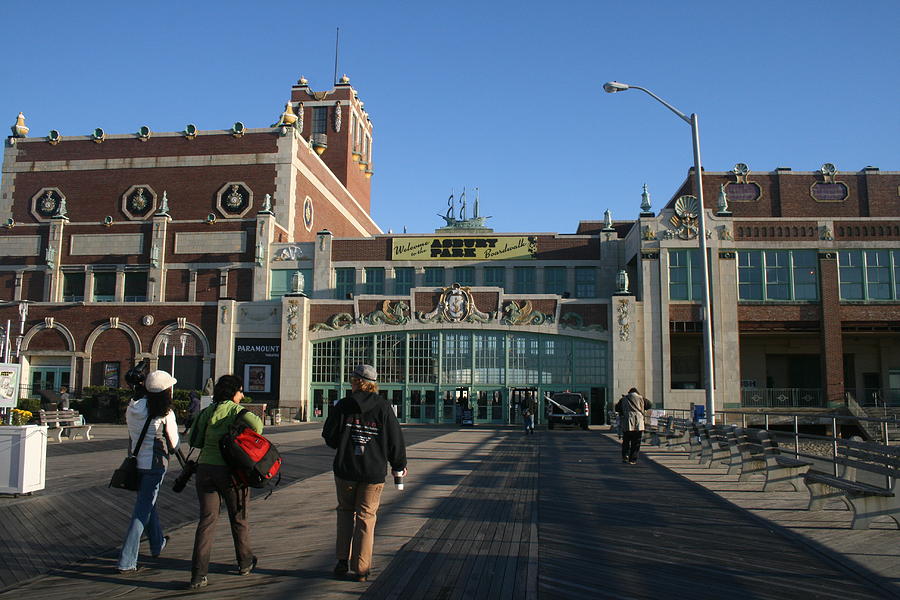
pixel 491 513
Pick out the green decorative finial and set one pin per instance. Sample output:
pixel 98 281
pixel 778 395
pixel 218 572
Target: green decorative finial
pixel 645 202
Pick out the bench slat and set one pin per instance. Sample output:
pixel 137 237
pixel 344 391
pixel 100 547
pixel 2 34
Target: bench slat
pixel 843 484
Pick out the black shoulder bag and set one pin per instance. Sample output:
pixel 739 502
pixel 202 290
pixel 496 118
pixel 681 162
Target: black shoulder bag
pixel 127 476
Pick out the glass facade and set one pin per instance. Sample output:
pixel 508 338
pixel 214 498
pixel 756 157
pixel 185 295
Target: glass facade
pixel 495 276
pixel 434 277
pixel 685 275
pixel 434 372
pixel 464 276
pixel 344 282
pixel 524 280
pixel 554 280
pixel 404 279
pixel 585 282
pixel 283 279
pixel 869 274
pixel 778 275
pixel 374 280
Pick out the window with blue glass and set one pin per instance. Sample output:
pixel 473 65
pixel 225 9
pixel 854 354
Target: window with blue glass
pixel 344 282
pixel 685 275
pixel 495 276
pixel 524 280
pixel 282 282
pixel 464 276
pixel 434 276
pixel 404 279
pixel 778 275
pixel 554 280
pixel 73 287
pixel 374 280
pixel 869 274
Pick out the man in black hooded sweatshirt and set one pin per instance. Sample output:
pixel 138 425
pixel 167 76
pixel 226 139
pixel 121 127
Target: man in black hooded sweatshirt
pixel 364 431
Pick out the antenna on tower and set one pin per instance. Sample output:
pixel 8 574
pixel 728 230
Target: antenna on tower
pixel 337 38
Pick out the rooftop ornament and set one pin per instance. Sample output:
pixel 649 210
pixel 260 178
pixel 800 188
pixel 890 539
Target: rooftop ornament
pixel 19 130
pixel 645 203
pixel 288 117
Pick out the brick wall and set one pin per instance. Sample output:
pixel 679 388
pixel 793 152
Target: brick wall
pixel 33 285
pixel 177 285
pixel 832 341
pixel 7 286
pixel 113 345
pixel 49 339
pixel 92 195
pixel 240 284
pixel 376 249
pixel 207 285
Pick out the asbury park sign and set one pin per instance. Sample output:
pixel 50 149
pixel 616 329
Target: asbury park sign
pixel 456 247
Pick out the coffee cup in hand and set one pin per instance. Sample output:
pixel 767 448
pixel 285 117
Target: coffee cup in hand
pixel 398 478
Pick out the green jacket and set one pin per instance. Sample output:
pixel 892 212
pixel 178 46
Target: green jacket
pixel 211 424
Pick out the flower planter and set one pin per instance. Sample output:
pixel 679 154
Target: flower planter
pixel 23 458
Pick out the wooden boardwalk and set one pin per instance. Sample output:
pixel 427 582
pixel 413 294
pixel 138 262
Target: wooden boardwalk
pixel 487 513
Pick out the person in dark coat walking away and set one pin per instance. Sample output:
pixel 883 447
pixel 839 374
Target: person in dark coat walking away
pixel 215 482
pixel 632 408
pixel 364 431
pixel 193 409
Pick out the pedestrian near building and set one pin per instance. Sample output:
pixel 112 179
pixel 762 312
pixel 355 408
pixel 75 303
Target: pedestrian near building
pixel 364 431
pixel 528 419
pixel 193 409
pixel 632 408
pixel 215 483
pixel 151 420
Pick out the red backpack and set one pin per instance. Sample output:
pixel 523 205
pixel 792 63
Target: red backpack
pixel 254 460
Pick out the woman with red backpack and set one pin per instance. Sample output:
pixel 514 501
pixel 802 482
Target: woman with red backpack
pixel 215 482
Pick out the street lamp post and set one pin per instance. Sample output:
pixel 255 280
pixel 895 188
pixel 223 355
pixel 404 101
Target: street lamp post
pixel 615 86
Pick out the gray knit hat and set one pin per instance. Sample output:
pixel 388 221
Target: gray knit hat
pixel 366 372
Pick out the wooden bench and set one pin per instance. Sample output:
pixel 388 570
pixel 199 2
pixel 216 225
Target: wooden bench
pixel 659 432
pixel 866 500
pixel 64 421
pixel 722 447
pixel 679 434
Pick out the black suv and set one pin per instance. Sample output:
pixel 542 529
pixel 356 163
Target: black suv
pixel 567 408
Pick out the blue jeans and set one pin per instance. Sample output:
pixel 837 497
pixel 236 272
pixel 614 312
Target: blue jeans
pixel 144 517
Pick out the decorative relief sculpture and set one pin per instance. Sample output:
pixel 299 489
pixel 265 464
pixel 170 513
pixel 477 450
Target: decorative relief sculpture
pixel 455 306
pixel 288 253
pixel 624 323
pixel 647 234
pixel 524 315
pixel 337 117
pixel 388 315
pixel 686 218
pixel 827 235
pixel 575 321
pixel 338 321
pixel 725 233
pixel 293 316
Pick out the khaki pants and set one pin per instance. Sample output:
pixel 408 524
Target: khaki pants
pixel 356 515
pixel 214 485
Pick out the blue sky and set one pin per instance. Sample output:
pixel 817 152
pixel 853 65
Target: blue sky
pixel 503 96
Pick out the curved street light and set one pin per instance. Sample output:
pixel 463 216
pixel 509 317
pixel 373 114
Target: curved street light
pixel 612 87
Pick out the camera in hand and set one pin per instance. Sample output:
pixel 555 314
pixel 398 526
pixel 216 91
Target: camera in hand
pixel 136 374
pixel 190 467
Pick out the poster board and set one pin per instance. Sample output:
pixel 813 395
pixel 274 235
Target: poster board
pixel 9 384
pixel 257 378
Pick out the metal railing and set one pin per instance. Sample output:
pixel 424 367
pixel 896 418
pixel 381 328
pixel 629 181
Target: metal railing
pixel 887 397
pixel 782 398
pixel 822 449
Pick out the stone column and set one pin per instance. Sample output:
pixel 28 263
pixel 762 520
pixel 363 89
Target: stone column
pixel 727 339
pixel 655 328
pixel 322 286
pixel 120 285
pixel 294 356
pixel 262 275
pixel 156 278
pixel 53 258
pixel 625 344
pixel 225 325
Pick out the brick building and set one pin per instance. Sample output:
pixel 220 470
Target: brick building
pixel 253 251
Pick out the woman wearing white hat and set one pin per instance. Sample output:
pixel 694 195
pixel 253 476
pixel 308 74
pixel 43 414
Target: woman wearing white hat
pixel 153 434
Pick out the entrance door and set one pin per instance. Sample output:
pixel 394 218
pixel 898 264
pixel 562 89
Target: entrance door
pixel 395 399
pixel 519 398
pixel 322 400
pixel 49 378
pixel 488 406
pixel 422 404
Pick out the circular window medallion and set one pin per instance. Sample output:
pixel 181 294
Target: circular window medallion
pixel 234 199
pixel 139 202
pixel 45 204
pixel 308 213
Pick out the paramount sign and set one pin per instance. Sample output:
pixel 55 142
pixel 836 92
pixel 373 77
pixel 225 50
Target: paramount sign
pixel 455 248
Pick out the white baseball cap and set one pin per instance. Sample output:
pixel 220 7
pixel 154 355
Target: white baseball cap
pixel 159 381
